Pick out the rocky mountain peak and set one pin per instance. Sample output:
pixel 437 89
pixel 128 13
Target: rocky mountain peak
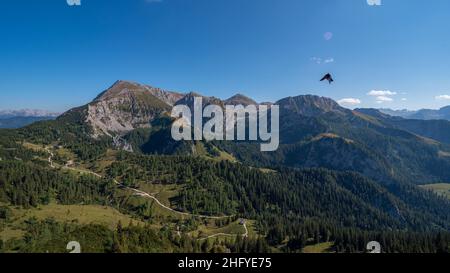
pixel 126 106
pixel 188 100
pixel 240 99
pixel 310 105
pixel 127 88
pixel 119 88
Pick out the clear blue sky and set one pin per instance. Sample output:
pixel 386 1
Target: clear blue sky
pixel 53 56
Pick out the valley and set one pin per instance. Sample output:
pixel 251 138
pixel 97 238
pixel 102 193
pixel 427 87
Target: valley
pixel 339 179
pixel 242 128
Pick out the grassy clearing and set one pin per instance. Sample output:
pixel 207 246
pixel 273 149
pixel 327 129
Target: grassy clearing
pixel 65 154
pixel 319 248
pixel 160 214
pixel 34 147
pixel 251 226
pixel 224 156
pixel 204 231
pixel 264 170
pixel 442 189
pixel 101 165
pixel 163 192
pixel 200 150
pixel 11 233
pixel 82 214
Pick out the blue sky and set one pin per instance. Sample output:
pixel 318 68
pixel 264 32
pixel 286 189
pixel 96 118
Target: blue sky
pixel 54 56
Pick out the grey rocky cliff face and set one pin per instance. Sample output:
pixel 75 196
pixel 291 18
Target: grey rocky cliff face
pixel 105 118
pixel 127 106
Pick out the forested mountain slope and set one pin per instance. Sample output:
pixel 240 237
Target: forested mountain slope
pixel 337 173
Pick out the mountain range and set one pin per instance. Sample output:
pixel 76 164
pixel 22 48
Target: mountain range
pixel 20 118
pixel 314 132
pixel 336 169
pixel 424 114
pixel 27 113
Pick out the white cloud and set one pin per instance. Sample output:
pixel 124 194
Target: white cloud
pixel 377 93
pixel 443 97
pixel 349 102
pixel 319 60
pixel 382 96
pixel 374 2
pixel 381 99
pixel 404 99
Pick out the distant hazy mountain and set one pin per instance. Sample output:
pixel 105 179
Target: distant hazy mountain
pixel 434 129
pixel 18 122
pixel 19 118
pixel 425 114
pixel 404 113
pixel 27 113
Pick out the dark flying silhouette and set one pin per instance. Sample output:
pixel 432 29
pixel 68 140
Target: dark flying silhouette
pixel 328 78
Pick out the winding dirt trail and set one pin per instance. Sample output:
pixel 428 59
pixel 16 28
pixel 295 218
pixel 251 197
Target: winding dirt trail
pixel 50 158
pixel 245 235
pixel 136 191
pixel 144 194
pixel 147 195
